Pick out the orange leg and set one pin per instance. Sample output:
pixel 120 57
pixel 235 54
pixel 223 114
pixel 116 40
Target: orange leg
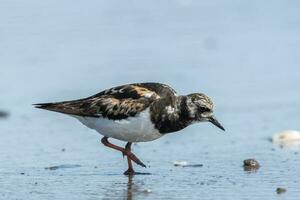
pixel 126 151
pixel 130 170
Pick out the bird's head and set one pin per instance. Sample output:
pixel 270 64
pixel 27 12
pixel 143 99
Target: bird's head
pixel 200 108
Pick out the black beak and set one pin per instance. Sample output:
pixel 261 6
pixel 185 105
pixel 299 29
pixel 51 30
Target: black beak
pixel 214 121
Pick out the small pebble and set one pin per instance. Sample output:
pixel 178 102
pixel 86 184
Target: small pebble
pixel 52 168
pixel 3 114
pixel 63 149
pixel 147 191
pixel 251 164
pixel 280 190
pixel 62 167
pixel 22 173
pixel 180 163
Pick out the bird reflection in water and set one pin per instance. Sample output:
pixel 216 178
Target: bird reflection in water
pixel 134 189
pixel 130 186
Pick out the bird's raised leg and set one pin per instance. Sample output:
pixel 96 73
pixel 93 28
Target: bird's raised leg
pixel 130 170
pixel 129 154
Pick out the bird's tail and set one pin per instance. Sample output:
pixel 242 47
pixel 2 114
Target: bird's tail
pixel 62 107
pixel 43 105
pixel 73 107
pixel 48 106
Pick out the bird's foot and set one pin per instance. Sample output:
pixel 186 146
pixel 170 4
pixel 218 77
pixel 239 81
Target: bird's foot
pixel 129 172
pixel 132 157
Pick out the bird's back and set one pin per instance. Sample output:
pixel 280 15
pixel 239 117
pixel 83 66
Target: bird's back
pixel 115 103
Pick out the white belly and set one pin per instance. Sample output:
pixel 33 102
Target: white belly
pixel 133 129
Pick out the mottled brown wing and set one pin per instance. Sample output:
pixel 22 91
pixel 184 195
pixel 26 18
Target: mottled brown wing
pixel 115 103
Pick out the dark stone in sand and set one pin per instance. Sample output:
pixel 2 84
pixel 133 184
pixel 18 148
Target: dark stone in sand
pixel 3 114
pixel 62 167
pixel 251 165
pixel 52 168
pixel 22 173
pixel 194 165
pixel 280 190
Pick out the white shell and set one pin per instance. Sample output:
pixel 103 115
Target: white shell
pixel 285 137
pixel 133 129
pixel 180 163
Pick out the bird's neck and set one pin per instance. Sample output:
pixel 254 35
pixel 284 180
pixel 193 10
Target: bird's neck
pixel 170 114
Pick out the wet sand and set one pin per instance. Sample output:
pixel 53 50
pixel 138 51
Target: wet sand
pixel 245 56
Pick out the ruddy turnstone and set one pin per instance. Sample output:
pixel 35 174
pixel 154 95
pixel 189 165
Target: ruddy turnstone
pixel 138 112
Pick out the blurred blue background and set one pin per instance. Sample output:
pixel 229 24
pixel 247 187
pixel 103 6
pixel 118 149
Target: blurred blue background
pixel 243 54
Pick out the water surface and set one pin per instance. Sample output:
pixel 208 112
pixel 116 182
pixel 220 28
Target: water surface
pixel 245 55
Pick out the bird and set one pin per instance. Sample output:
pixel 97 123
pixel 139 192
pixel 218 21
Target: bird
pixel 137 112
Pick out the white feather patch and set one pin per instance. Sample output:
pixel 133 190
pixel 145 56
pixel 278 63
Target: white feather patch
pixel 132 129
pixel 170 109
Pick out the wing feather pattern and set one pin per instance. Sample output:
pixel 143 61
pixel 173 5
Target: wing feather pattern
pixel 116 103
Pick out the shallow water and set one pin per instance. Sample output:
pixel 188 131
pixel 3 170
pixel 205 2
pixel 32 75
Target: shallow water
pixel 245 55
